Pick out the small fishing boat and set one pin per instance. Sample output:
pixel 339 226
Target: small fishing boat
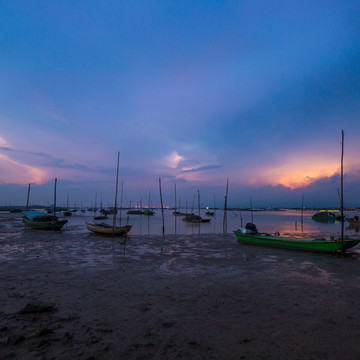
pixel 39 220
pixel 100 217
pixel 179 213
pixel 148 212
pixel 355 221
pixel 106 229
pixel 326 216
pixel 250 236
pixel 195 219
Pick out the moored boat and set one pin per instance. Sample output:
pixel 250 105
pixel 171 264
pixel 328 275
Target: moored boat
pixel 39 220
pixel 195 219
pixel 355 221
pixel 178 213
pixel 252 237
pixel 106 229
pixel 326 216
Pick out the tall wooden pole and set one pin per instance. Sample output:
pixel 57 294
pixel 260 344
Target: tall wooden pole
pixel 225 207
pixel 116 191
pixel 302 214
pixel 342 192
pixel 54 196
pixel 199 203
pixel 175 196
pixel 162 208
pixel 121 199
pixel 28 196
pixel 251 210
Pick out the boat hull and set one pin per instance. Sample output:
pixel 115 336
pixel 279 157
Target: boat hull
pixel 44 225
pixel 105 229
pixel 317 245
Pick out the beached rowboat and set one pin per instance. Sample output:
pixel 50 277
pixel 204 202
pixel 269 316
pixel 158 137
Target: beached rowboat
pixel 106 229
pixel 297 243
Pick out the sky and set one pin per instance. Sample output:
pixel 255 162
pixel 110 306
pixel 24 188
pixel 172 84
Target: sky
pixel 192 92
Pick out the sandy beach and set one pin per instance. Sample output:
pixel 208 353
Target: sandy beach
pixel 82 296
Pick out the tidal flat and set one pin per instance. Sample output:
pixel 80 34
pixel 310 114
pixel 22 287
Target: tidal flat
pixel 200 296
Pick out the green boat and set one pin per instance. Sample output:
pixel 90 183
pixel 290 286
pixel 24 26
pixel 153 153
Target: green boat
pixel 41 221
pixel 326 216
pixel 251 237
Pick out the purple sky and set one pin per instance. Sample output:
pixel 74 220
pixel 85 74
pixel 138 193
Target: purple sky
pixel 194 92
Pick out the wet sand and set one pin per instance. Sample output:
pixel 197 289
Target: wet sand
pixel 82 296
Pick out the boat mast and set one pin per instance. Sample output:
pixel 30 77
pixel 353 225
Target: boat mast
pixel 342 192
pixel 54 196
pixel 162 208
pixel 175 196
pixel 28 195
pixel 225 207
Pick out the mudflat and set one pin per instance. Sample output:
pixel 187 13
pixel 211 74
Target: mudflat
pixel 83 296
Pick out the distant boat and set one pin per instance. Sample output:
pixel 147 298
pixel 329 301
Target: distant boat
pixel 148 212
pixel 355 221
pixel 39 220
pixel 209 213
pixel 178 213
pixel 326 216
pixel 16 210
pixel 195 219
pixel 100 217
pixel 252 237
pixel 135 212
pixel 106 229
pixel 67 212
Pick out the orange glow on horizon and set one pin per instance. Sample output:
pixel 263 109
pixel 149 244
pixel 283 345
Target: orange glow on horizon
pixel 297 173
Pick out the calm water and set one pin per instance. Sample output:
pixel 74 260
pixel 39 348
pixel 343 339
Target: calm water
pixel 285 222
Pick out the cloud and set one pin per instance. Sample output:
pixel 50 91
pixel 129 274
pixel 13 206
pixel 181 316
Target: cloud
pixel 201 168
pixel 173 159
pixel 19 173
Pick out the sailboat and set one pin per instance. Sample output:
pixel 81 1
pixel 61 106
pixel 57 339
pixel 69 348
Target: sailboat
pixel 250 235
pixel 106 229
pixel 42 221
pixel 102 216
pixel 67 212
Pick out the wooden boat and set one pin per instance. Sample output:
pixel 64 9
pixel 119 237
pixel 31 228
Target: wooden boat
pixel 39 220
pixel 355 221
pixel 195 219
pixel 250 237
pixel 106 229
